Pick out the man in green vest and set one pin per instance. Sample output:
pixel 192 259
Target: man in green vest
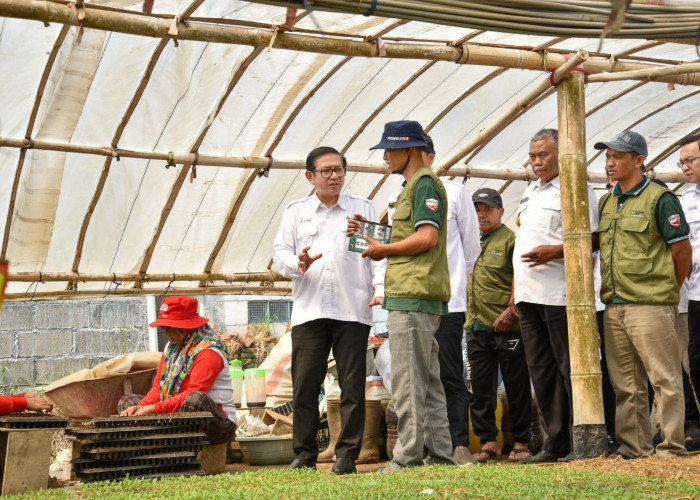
pixel 645 256
pixel 493 334
pixel 417 290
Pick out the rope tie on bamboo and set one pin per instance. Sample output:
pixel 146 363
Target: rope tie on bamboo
pixel 193 173
pixel 171 160
pixel 378 49
pixel 114 282
pixel 276 29
pixel 174 29
pixel 114 153
pixel 167 288
pixel 36 285
pixel 266 171
pixel 46 21
pixel 462 54
pixel 577 68
pixel 27 143
pixel 229 277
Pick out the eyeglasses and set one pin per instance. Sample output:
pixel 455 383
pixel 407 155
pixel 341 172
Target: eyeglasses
pixel 327 173
pixel 687 162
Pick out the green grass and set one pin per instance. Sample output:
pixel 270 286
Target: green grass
pixel 495 481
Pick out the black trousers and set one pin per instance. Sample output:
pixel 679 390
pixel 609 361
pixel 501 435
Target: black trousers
pixel 449 338
pixel 487 349
pixel 608 391
pixel 692 415
pixel 311 343
pixel 546 339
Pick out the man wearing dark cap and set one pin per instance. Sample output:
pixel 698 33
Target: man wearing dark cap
pixel 493 334
pixel 645 256
pixel 462 250
pixel 417 290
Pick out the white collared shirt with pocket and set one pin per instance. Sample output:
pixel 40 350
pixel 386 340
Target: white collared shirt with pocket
pixel 539 217
pixel 340 284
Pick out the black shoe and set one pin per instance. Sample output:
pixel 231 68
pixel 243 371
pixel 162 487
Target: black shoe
pixel 543 457
pixel 302 463
pixel 344 465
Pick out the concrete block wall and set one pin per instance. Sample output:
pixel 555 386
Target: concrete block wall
pixel 43 341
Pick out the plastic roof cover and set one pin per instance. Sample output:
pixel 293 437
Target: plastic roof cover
pixel 96 74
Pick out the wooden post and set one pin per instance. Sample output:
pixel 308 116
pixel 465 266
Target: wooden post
pixel 589 436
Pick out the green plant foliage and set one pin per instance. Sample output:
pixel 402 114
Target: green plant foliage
pixel 494 481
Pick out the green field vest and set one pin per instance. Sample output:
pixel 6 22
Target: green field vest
pixel 422 276
pixel 489 284
pixel 635 261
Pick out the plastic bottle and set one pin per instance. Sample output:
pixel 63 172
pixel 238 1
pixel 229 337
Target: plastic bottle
pixel 236 371
pixel 255 387
pixel 375 390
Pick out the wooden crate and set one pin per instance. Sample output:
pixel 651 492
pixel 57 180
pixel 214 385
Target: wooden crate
pixel 25 456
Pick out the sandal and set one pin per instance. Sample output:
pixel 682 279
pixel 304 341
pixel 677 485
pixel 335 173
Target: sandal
pixel 516 454
pixel 617 455
pixel 490 455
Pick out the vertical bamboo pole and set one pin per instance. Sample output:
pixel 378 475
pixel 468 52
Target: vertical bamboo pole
pixel 589 437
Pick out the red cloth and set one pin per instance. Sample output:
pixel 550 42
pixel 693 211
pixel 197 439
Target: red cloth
pixel 205 368
pixel 12 404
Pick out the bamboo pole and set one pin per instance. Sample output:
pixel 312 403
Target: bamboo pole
pixel 300 163
pixel 647 74
pixel 589 434
pixel 243 277
pixel 136 24
pixel 131 292
pixel 517 108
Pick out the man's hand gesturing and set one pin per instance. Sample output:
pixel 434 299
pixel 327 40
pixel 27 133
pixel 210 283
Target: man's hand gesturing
pixel 305 260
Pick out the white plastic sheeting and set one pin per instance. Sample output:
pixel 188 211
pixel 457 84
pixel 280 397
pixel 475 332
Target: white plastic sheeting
pixel 201 97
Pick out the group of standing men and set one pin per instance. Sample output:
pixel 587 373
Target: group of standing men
pixel 642 233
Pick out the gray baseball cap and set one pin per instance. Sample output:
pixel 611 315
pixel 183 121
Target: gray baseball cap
pixel 626 142
pixel 488 197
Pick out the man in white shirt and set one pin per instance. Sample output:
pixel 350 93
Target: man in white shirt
pixel 334 290
pixel 463 249
pixel 690 201
pixel 539 289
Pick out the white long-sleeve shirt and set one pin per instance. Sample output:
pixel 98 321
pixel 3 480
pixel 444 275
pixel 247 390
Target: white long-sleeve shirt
pixel 463 244
pixel 539 215
pixel 340 284
pixel 690 201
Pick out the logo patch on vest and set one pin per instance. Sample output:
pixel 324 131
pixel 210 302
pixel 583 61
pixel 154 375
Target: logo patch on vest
pixel 431 203
pixel 675 220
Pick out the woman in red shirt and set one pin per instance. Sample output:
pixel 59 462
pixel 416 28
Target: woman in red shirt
pixel 193 372
pixel 21 402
